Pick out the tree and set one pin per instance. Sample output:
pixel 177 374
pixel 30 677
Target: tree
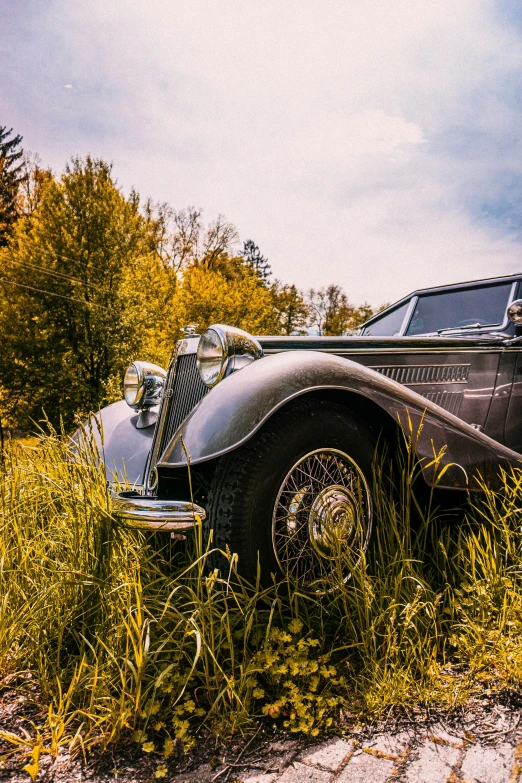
pixel 75 281
pixel 33 178
pixel 254 258
pixel 218 245
pixel 362 313
pixel 91 279
pixel 182 241
pixel 290 309
pixel 330 310
pixel 177 234
pixel 11 176
pixel 207 296
pixel 332 314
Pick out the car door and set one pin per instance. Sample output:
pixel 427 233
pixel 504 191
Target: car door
pixel 513 388
pixel 457 374
pixel 449 348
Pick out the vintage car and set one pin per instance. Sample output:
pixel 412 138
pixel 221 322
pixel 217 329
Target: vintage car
pixel 269 441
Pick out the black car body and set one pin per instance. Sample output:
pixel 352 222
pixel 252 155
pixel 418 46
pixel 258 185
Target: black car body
pixel 444 363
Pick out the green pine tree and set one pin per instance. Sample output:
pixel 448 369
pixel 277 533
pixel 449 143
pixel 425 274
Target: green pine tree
pixel 11 177
pixel 252 256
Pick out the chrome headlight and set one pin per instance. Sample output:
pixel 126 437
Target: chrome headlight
pixel 514 312
pixel 143 385
pixel 224 349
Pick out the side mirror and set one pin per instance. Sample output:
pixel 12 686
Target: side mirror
pixel 514 311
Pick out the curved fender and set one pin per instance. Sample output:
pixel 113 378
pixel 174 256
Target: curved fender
pixel 123 448
pixel 238 406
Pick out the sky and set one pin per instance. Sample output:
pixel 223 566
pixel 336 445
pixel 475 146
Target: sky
pixel 368 143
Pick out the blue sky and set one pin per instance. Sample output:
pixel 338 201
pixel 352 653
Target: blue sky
pixel 373 144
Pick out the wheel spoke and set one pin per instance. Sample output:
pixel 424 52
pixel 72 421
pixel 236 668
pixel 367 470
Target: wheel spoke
pixel 307 475
pixel 323 506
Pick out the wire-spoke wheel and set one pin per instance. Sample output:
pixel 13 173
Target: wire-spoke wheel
pixel 322 517
pixel 294 501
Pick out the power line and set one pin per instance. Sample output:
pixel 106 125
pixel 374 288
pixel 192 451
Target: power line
pixel 63 276
pixel 51 293
pixel 75 261
pixel 60 275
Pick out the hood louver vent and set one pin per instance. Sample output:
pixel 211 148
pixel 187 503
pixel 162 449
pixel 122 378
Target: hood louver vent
pixel 420 374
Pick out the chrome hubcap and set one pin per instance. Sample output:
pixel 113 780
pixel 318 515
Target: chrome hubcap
pixel 322 517
pixel 332 519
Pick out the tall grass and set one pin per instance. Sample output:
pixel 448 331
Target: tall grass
pixel 126 633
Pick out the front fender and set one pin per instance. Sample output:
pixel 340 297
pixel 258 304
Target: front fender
pixel 238 406
pixel 123 448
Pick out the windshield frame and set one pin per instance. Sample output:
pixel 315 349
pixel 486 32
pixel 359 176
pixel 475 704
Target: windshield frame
pixel 452 330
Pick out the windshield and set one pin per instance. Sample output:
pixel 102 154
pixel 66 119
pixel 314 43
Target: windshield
pixel 467 308
pixel 390 324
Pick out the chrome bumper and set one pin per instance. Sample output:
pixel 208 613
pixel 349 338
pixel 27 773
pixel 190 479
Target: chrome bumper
pixel 154 514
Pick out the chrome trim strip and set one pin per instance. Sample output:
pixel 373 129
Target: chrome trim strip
pixel 153 514
pixel 151 476
pixel 189 345
pixel 388 351
pixel 409 315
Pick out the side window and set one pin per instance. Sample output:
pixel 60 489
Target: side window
pixel 469 307
pixel 389 325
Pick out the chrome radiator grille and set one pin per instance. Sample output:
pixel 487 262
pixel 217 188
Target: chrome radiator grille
pixel 183 390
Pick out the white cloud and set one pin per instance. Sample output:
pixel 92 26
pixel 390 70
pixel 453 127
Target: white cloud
pixel 326 131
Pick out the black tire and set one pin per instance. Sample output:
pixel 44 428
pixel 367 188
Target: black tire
pixel 247 484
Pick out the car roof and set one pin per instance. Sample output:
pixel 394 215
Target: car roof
pixel 452 286
pixel 466 284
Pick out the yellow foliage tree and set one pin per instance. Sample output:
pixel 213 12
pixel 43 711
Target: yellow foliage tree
pixel 206 296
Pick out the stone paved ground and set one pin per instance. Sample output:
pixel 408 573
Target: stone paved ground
pixel 433 758
pixel 405 757
pixel 483 746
